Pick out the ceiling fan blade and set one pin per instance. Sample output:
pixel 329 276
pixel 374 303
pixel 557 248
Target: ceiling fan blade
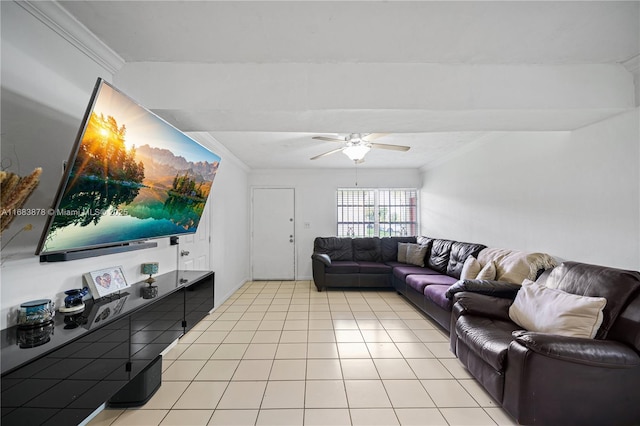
pixel 333 151
pixel 324 138
pixel 387 146
pixel 373 136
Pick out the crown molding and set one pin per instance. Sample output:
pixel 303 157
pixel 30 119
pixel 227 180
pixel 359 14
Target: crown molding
pixel 54 16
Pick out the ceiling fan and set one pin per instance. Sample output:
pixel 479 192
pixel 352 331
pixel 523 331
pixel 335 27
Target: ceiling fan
pixel 356 145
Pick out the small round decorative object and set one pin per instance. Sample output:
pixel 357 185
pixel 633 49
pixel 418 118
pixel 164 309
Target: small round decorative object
pixel 36 312
pixel 73 302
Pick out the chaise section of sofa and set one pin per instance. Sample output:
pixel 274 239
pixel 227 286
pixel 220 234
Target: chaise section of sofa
pixel 375 263
pixel 426 286
pixel 422 269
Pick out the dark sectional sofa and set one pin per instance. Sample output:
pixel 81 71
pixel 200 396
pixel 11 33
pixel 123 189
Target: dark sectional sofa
pixel 373 263
pixel 538 377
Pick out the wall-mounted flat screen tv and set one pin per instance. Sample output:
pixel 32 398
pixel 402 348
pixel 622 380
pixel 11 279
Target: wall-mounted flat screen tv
pixel 131 177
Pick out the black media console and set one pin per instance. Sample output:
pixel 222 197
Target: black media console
pixel 60 373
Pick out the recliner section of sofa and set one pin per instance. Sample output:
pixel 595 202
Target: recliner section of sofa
pixel 550 379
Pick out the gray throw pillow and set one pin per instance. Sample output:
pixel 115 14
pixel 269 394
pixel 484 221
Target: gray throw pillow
pixel 416 254
pixel 402 252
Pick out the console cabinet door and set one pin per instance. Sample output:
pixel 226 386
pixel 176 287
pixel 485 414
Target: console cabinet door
pixel 156 327
pixel 67 385
pixel 199 301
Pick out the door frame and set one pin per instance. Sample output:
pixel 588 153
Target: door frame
pixel 189 242
pixel 295 221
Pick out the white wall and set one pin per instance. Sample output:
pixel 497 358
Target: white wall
pixel 574 195
pixel 46 85
pixel 230 221
pixel 315 199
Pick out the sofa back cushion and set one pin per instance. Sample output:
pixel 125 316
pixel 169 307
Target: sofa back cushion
pixel 439 257
pixel 367 249
pixel 336 248
pixel 616 285
pixel 459 253
pixel 514 266
pixel 424 241
pixel 389 247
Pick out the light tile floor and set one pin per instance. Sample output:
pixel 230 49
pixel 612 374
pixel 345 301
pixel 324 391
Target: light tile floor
pixel 281 353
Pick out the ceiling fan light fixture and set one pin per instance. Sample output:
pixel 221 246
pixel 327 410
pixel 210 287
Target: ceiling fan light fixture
pixel 356 152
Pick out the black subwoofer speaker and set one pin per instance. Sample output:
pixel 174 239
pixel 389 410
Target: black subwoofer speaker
pixel 141 388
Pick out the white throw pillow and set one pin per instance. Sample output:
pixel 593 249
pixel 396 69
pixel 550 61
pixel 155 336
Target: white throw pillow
pixel 488 272
pixel 470 269
pixel 549 310
pixel 402 252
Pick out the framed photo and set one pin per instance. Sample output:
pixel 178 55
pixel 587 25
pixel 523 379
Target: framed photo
pixel 106 281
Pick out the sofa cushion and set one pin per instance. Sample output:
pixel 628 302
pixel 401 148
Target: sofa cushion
pixel 488 338
pixel 615 285
pixel 401 272
pixel 367 249
pixel 549 310
pixel 343 267
pixel 389 247
pixel 336 248
pixel 424 241
pixel 374 268
pixel 437 294
pixel 439 257
pixel 416 254
pixel 419 282
pixel 459 254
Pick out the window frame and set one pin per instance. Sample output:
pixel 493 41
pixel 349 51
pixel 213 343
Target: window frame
pixel 358 224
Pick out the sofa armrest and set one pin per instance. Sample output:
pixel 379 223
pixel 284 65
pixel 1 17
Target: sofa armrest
pixel 501 289
pixel 321 257
pixel 598 353
pixel 467 303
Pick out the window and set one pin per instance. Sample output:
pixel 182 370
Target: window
pixel 377 212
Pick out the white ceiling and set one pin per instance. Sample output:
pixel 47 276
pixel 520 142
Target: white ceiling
pixel 360 31
pixel 242 34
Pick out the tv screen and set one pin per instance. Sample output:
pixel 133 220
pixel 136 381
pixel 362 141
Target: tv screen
pixel 131 176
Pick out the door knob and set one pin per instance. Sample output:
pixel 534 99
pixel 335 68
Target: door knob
pixel 184 253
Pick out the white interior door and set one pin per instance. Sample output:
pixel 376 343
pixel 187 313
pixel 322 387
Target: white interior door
pixel 273 237
pixel 194 249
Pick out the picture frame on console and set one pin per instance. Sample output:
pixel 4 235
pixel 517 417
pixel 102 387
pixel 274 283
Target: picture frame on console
pixel 106 281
